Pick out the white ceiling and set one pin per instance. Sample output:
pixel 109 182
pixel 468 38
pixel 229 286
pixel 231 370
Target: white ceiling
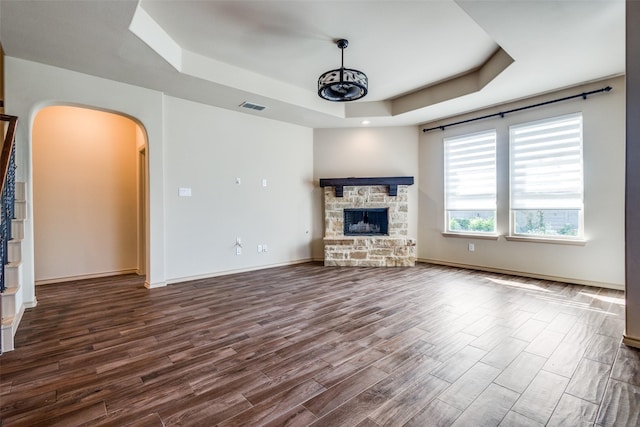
pixel 271 52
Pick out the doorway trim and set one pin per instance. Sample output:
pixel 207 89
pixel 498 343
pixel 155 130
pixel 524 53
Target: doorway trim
pixel 143 209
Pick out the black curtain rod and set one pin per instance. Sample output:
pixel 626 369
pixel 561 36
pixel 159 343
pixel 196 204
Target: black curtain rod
pixel 582 95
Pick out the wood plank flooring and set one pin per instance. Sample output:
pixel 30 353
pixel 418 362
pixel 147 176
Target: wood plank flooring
pixel 323 346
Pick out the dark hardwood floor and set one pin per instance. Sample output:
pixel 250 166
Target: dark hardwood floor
pixel 323 346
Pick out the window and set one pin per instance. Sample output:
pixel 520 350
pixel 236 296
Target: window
pixel 546 178
pixel 470 183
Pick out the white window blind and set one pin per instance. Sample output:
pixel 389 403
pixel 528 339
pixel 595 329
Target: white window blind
pixel 546 164
pixel 470 172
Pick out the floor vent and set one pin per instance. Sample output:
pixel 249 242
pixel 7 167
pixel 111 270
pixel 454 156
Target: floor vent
pixel 252 106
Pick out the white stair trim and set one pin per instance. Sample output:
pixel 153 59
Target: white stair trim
pixel 11 299
pixel 9 329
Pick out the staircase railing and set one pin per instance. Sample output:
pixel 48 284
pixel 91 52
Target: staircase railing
pixel 8 188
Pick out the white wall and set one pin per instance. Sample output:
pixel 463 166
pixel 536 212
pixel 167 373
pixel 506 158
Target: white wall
pixel 84 193
pixel 207 148
pixel 601 260
pixel 364 152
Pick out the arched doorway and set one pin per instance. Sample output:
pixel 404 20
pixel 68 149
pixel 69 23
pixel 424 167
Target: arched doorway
pixel 89 194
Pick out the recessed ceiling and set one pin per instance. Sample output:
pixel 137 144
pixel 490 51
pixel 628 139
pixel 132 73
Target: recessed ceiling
pixel 271 52
pixel 294 41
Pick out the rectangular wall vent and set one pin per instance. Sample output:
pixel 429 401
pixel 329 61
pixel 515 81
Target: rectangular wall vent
pixel 252 106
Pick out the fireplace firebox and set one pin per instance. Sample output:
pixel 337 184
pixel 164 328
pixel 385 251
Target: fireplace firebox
pixel 366 222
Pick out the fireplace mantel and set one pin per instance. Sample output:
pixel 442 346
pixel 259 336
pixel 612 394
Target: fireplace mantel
pixel 391 181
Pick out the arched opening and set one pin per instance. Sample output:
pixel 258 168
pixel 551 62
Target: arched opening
pixel 90 194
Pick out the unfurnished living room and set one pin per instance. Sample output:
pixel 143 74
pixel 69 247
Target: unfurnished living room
pixel 327 213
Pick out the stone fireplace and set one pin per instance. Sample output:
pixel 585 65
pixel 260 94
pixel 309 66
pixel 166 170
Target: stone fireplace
pixel 366 222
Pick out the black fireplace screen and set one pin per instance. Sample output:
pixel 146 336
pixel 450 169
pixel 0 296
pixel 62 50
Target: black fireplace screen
pixel 368 222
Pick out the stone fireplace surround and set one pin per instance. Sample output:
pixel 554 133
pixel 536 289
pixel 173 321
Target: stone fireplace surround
pixel 394 250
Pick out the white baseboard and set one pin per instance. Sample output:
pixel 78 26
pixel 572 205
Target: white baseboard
pixel 18 319
pixel 150 285
pixel 235 271
pixel 86 276
pixel 525 274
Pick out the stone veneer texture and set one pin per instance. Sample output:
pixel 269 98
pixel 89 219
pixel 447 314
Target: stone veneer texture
pixel 394 250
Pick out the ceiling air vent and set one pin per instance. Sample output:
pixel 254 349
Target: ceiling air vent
pixel 252 106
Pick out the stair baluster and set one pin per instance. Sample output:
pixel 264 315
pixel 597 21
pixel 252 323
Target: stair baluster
pixel 7 199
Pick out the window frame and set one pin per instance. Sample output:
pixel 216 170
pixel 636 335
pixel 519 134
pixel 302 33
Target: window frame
pixel 513 235
pixel 490 133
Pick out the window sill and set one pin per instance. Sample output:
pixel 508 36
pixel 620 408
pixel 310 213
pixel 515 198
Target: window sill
pixel 571 242
pixel 472 235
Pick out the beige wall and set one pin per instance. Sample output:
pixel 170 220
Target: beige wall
pixel 364 152
pixel 84 193
pixel 601 260
pixel 206 149
pixel 239 144
pixel 409 151
pixel 32 86
pixel 191 145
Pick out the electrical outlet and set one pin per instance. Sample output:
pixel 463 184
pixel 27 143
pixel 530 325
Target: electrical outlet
pixel 264 248
pixel 259 248
pixel 238 250
pixel 472 247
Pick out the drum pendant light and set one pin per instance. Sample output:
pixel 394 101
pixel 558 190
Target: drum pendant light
pixel 343 84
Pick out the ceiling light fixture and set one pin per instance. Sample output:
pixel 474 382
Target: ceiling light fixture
pixel 343 84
